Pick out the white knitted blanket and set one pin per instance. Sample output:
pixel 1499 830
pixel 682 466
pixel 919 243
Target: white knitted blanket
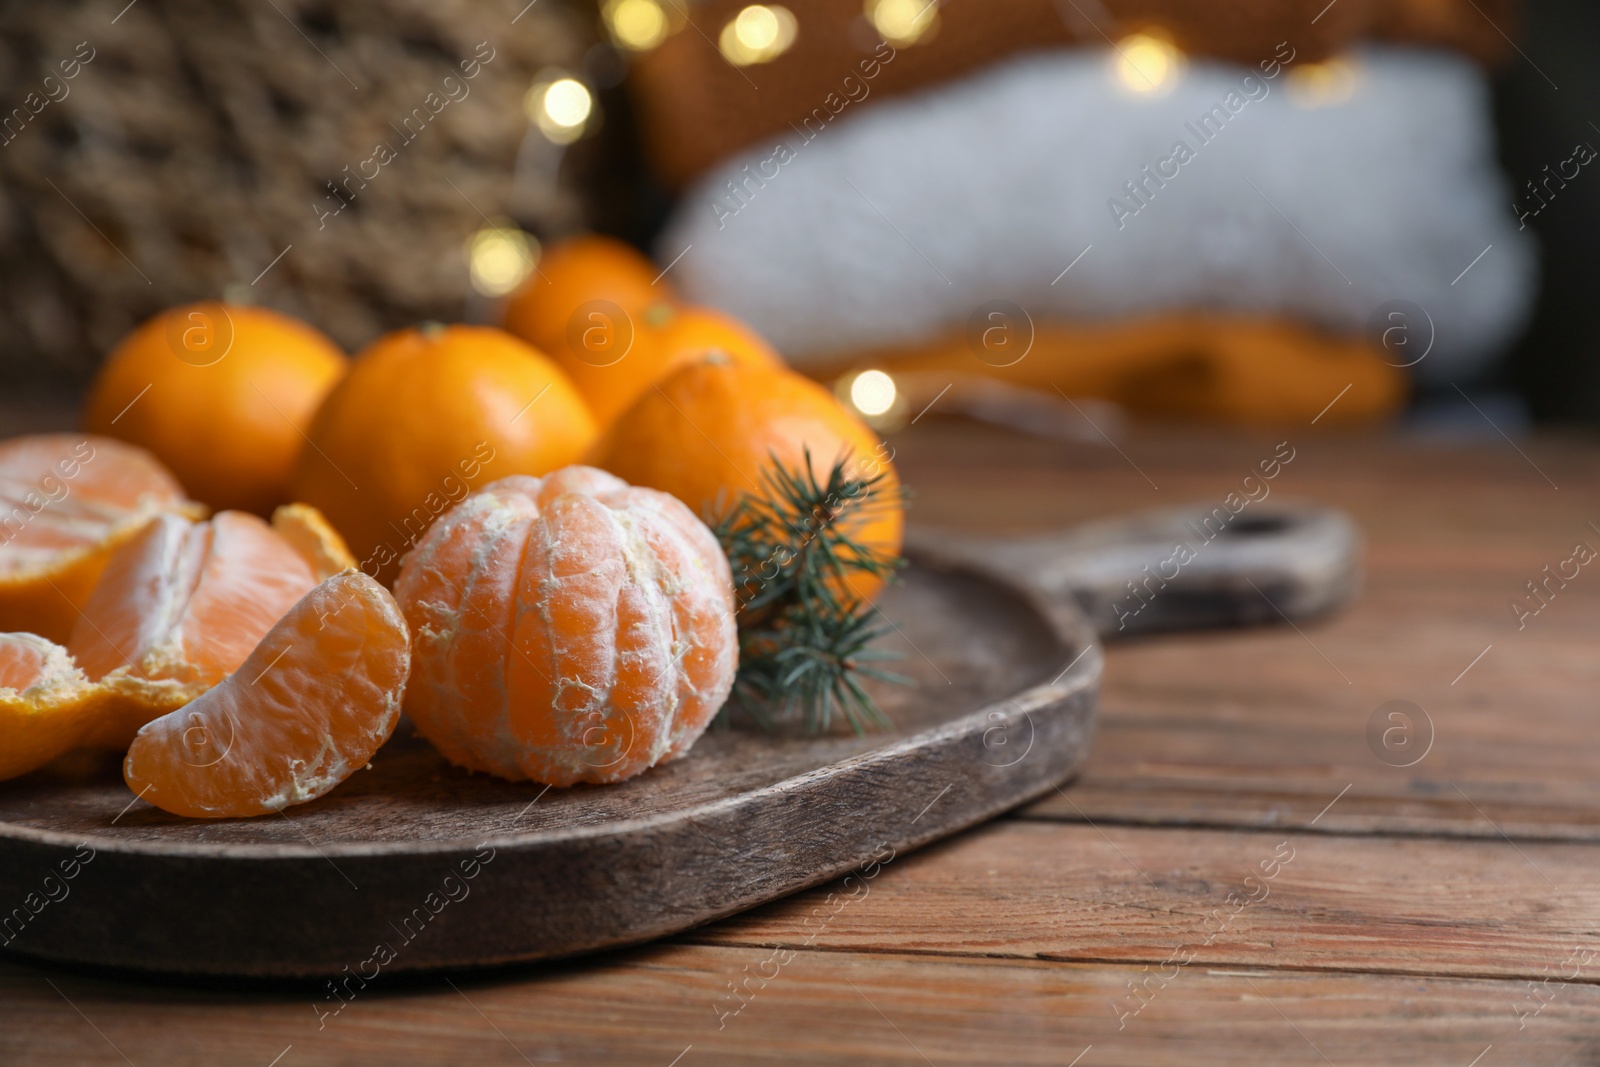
pixel 898 219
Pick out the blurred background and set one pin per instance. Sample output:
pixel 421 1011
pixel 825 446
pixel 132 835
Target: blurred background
pixel 1025 211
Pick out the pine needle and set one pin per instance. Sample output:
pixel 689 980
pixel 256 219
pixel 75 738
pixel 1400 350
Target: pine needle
pixel 805 639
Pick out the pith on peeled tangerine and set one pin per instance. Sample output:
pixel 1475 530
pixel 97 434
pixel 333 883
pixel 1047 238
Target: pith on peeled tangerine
pixel 567 629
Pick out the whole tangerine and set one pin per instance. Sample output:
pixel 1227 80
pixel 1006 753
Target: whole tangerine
pixel 717 428
pixel 658 341
pixel 567 629
pixel 586 272
pixel 423 415
pixel 221 394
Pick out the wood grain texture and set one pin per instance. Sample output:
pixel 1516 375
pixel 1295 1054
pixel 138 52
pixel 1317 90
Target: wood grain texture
pixel 1211 749
pixel 650 1006
pixel 1229 898
pixel 1251 728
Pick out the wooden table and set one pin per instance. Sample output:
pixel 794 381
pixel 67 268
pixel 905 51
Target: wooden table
pixel 1243 873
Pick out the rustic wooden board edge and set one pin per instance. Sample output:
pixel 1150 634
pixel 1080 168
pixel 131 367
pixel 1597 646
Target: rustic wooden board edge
pixel 830 821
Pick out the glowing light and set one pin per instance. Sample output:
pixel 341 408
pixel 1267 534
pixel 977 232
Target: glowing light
pixel 759 33
pixel 560 108
pixel 872 392
pixel 756 27
pixel 903 22
pixel 1323 84
pixel 1146 64
pixel 499 257
pixel 568 103
pixel 639 25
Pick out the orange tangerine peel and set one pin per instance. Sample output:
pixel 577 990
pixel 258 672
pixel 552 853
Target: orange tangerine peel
pixel 46 703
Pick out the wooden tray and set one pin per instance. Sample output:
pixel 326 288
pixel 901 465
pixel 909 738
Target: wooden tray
pixel 414 865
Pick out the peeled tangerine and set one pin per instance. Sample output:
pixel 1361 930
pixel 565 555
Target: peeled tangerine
pixel 179 606
pixel 312 704
pixel 567 629
pixel 66 502
pixel 182 603
pixel 45 702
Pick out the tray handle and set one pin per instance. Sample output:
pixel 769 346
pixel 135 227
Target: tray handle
pixel 1176 568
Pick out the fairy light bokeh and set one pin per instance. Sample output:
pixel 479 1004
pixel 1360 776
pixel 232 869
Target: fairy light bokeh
pixel 1146 64
pixel 561 108
pixel 759 33
pixel 500 256
pixel 637 25
pixel 903 22
pixel 1325 84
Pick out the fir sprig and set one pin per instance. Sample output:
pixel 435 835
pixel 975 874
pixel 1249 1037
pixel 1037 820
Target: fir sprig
pixel 805 637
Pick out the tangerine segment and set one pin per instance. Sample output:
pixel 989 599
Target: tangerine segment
pixel 313 702
pixel 179 607
pixel 45 703
pixel 66 502
pixel 459 594
pixel 567 629
pixel 310 533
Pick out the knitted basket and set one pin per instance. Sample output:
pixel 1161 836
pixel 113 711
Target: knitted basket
pixel 187 149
